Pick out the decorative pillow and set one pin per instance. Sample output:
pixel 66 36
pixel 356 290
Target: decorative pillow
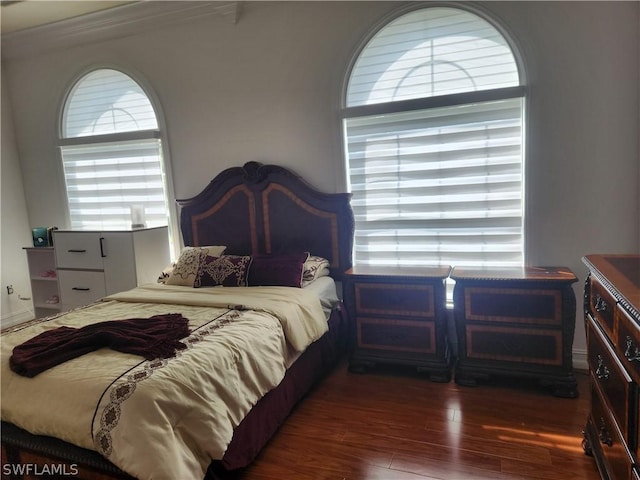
pixel 225 270
pixel 284 270
pixel 315 267
pixel 186 268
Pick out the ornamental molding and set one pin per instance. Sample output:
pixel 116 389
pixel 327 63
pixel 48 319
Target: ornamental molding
pixel 117 22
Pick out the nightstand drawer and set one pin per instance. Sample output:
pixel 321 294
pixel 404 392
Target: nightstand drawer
pixel 613 381
pixel 602 306
pixel 512 344
pixel 513 305
pixel 81 288
pixel 396 335
pixel 404 300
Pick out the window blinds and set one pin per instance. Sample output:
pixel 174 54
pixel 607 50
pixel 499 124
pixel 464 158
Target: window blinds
pixel 431 52
pixel 438 187
pixel 437 182
pixel 112 154
pixel 107 101
pixel 104 180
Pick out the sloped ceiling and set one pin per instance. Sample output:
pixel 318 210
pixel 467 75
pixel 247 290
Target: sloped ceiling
pixel 20 15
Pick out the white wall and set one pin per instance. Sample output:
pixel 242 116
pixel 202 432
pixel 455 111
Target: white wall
pixel 267 88
pixel 15 232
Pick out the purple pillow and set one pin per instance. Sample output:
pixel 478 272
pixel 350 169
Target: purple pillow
pixel 284 270
pixel 225 270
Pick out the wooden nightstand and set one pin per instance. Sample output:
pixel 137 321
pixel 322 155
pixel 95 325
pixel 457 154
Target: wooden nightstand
pixel 518 322
pixel 399 318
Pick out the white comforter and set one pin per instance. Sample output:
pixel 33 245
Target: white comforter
pixel 165 419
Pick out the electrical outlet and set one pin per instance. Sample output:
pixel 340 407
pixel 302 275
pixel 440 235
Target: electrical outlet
pixel 9 289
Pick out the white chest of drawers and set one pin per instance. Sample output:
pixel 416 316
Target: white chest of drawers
pixel 92 264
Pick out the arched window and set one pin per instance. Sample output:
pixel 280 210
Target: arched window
pixel 433 123
pixel 111 150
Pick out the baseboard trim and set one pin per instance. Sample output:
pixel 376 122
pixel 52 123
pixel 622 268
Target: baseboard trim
pixel 15 318
pixel 580 359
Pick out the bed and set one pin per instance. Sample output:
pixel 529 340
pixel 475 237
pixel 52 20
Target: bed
pixel 257 211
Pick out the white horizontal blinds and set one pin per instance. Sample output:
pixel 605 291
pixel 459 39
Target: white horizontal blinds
pixel 104 180
pixel 430 52
pixel 112 154
pixel 437 183
pixel 438 187
pixel 107 101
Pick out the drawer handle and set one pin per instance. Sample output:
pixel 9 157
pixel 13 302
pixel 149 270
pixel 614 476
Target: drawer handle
pixel 600 305
pixel 604 435
pixel 73 250
pixel 602 372
pixel 632 357
pixel 81 289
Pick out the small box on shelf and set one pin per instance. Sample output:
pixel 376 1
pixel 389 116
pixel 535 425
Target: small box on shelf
pixel 43 236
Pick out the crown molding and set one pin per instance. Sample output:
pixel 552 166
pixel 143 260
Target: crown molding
pixel 117 22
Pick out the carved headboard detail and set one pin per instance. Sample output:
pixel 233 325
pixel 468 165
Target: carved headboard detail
pixel 269 209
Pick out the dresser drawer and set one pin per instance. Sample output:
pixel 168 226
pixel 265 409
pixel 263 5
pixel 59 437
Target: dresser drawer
pixel 513 305
pixel 404 300
pixel 602 306
pixel 628 342
pixel 619 463
pixel 78 250
pixel 612 379
pixel 79 288
pixel 396 335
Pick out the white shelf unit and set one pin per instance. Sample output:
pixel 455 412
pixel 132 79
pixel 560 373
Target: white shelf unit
pixel 44 280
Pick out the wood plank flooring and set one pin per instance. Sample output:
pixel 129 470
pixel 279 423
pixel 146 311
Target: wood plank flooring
pixel 396 425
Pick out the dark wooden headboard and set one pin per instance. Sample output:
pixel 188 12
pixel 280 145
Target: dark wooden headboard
pixel 269 209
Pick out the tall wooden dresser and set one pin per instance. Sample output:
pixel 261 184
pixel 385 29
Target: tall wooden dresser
pixel 612 317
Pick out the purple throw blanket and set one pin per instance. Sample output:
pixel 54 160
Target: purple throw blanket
pixel 153 337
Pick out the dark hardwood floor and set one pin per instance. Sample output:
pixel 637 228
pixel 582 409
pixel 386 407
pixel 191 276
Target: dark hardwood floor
pixel 396 425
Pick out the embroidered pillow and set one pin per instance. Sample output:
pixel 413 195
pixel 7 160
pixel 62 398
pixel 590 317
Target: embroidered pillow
pixel 284 270
pixel 315 267
pixel 225 270
pixel 186 268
